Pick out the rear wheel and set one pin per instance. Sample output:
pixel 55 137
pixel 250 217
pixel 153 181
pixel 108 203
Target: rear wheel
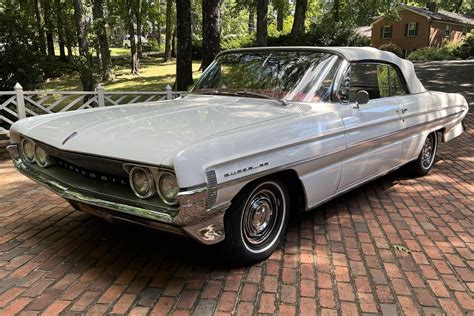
pixel 423 164
pixel 256 222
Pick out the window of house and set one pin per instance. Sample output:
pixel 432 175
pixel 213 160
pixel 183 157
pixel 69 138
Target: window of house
pixel 378 79
pixel 411 29
pixel 464 30
pixel 387 31
pixel 448 30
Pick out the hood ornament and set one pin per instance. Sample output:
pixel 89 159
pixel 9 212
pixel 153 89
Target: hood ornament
pixel 69 137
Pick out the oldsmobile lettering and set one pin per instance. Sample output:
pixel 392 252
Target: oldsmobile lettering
pixel 321 120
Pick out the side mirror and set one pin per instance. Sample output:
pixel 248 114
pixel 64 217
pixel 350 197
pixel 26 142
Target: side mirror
pixel 362 97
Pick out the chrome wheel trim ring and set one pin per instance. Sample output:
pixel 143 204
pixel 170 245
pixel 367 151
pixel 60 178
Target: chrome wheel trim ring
pixel 263 217
pixel 428 152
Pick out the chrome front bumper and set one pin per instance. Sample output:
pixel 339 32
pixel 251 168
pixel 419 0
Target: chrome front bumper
pixel 194 218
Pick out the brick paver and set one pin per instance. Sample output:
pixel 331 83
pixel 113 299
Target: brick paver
pixel 340 257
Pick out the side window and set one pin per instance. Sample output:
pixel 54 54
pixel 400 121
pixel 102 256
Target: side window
pixel 379 80
pixel 397 84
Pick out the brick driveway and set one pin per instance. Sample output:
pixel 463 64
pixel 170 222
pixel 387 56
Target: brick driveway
pixel 340 258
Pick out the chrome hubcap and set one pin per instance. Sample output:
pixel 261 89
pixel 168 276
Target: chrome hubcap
pixel 427 153
pixel 260 217
pixel 262 213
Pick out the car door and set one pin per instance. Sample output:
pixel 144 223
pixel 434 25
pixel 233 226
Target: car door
pixel 373 130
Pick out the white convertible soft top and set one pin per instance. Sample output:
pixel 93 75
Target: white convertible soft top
pixel 370 53
pixel 358 54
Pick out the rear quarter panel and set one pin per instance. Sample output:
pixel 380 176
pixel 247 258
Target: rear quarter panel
pixel 427 112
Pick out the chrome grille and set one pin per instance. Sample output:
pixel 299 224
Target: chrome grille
pixel 94 175
pixel 211 188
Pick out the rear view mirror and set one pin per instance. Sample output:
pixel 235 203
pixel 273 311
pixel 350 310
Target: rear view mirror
pixel 362 97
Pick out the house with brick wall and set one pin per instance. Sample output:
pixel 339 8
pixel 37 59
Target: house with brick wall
pixel 421 27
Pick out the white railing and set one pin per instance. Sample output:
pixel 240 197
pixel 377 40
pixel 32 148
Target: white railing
pixel 18 104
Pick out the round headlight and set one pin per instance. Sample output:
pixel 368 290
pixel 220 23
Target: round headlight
pixel 142 183
pixel 168 188
pixel 28 150
pixel 42 158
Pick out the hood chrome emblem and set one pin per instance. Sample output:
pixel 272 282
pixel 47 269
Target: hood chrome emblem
pixel 69 137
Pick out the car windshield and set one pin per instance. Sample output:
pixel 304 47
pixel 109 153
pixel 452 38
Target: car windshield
pixel 302 76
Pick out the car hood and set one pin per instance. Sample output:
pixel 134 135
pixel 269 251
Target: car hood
pixel 149 132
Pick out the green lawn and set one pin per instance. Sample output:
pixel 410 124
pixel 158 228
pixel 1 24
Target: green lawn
pixel 114 51
pixel 154 76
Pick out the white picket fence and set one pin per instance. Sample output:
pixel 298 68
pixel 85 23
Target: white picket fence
pixel 18 104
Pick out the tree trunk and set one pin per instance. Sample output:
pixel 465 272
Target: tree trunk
pixel 135 61
pixel 173 44
pixel 49 28
pixel 184 54
pixel 252 17
pixel 101 34
pixel 300 16
pixel 280 18
pixel 139 29
pixel 60 28
pixel 262 22
pixel 69 43
pixel 169 31
pixel 85 62
pixel 40 27
pixel 458 6
pixel 211 31
pixel 335 11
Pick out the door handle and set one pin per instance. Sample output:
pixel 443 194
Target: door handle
pixel 403 111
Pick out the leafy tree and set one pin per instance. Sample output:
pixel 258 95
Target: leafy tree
pixel 21 57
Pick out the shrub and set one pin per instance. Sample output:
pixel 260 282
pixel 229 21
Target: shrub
pixel 20 59
pixel 394 48
pixel 466 49
pixel 237 41
pixel 153 44
pixel 322 34
pixel 432 53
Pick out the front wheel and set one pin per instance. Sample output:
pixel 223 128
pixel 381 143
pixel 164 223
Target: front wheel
pixel 423 164
pixel 256 222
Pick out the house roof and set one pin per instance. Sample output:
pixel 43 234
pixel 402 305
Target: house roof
pixel 440 15
pixel 365 30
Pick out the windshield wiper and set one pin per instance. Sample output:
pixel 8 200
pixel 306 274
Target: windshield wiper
pixel 216 92
pixel 261 95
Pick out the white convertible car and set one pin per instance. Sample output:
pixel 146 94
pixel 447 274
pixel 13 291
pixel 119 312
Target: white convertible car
pixel 264 133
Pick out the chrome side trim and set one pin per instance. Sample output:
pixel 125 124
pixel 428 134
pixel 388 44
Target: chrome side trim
pixel 355 185
pixel 276 169
pixel 389 137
